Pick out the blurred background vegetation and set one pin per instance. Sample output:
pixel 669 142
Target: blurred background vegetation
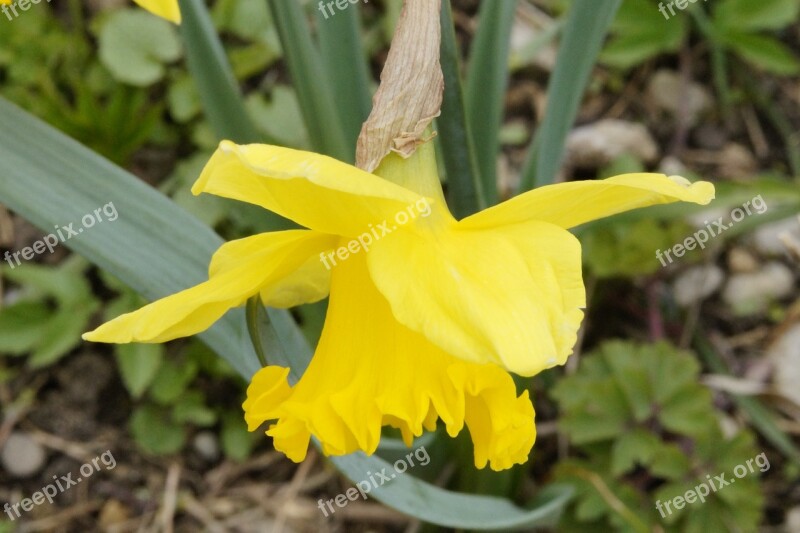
pixel 679 371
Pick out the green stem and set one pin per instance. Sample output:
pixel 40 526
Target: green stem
pixel 251 313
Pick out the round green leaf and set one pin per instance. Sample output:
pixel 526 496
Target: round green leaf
pixel 135 46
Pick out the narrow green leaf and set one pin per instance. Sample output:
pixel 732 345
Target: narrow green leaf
pixel 346 66
pixel 310 80
pixel 219 91
pixel 485 89
pixel 464 187
pixel 587 25
pixel 154 246
pixel 408 494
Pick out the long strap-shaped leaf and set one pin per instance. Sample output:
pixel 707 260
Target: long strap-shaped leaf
pixel 154 246
pixel 158 248
pixel 219 91
pixel 464 187
pixel 487 80
pixel 342 53
pixel 586 28
pixel 309 79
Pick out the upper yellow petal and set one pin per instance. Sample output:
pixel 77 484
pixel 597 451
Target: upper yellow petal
pixel 576 202
pixel 260 262
pixel 315 191
pixel 510 296
pixel 167 9
pixel 370 371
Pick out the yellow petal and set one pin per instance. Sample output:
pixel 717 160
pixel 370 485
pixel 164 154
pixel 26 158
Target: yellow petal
pixel 574 203
pixel 167 9
pixel 258 263
pixel 315 191
pixel 370 371
pixel 511 296
pixel 308 283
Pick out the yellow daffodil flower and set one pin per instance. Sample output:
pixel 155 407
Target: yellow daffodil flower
pixel 167 9
pixel 427 314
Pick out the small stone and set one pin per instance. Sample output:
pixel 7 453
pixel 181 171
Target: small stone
pixel 598 144
pixel 792 519
pixel 697 283
pixel 740 260
pixel 751 292
pixel 672 166
pixel 667 91
pixel 22 456
pixel 785 357
pixel 206 445
pixel 710 136
pixel 736 161
pixel 767 239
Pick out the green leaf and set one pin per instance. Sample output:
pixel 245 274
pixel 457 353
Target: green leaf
pixel 138 364
pixel 219 91
pixel 635 447
pixel 191 408
pixel 747 15
pixel 62 334
pixel 640 32
pixel 172 380
pixel 485 88
pixel 670 463
pixel 279 118
pixel 586 28
pixel 236 441
pixel 135 46
pixel 464 187
pixel 154 432
pixel 765 52
pixel 310 81
pixel 345 63
pixel 154 247
pixel 22 326
pixel 183 99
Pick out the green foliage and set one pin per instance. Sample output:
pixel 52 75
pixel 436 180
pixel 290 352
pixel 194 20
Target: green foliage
pixel 173 398
pixel 737 24
pixel 58 78
pixel 155 432
pixel 627 247
pixel 647 431
pixel 135 46
pixel 47 318
pixel 642 32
